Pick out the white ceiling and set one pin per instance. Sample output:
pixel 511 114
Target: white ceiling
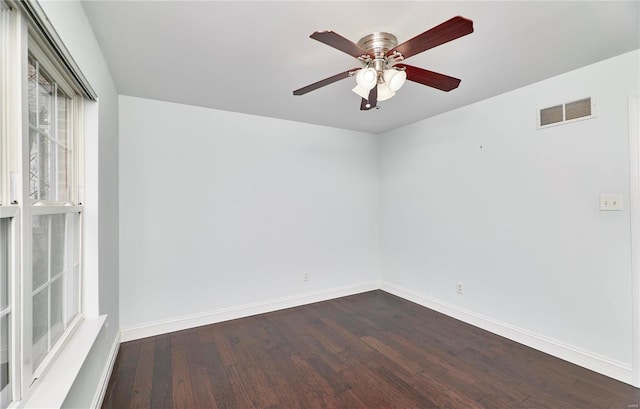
pixel 249 56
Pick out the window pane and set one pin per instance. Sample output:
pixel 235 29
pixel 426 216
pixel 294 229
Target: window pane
pixel 62 147
pixel 73 294
pixel 5 389
pixel 39 129
pixel 40 326
pixel 4 263
pixel 48 137
pixel 57 244
pixel 40 251
pixel 72 268
pixel 56 297
pixel 57 325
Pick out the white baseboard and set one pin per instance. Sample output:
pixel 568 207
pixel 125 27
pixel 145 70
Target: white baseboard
pixel 106 374
pixel 226 314
pixel 616 370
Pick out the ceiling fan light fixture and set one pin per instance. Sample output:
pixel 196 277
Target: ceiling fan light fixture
pixel 364 93
pixel 385 92
pixel 367 78
pixel 395 78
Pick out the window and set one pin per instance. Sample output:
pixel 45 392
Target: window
pixel 41 211
pixel 52 213
pixel 55 263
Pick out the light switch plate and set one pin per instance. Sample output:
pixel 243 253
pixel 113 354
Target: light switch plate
pixel 610 202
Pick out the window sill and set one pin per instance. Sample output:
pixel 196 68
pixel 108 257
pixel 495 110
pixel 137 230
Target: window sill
pixel 51 389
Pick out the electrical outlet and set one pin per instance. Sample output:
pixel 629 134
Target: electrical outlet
pixel 460 288
pixel 610 202
pixel 306 276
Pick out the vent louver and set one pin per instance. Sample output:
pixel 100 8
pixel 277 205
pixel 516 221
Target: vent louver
pixel 577 109
pixel 567 112
pixel 551 115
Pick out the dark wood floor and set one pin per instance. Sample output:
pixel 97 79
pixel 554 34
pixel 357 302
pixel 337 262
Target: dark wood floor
pixel 371 350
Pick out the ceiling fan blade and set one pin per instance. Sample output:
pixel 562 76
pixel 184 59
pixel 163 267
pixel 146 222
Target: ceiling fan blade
pixel 367 104
pixel 449 30
pixel 430 78
pixel 326 81
pixel 338 42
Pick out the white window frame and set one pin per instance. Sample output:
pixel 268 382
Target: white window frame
pixel 26 31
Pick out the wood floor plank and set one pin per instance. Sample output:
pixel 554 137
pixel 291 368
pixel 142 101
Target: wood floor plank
pixel 449 371
pixel 219 378
pixel 143 381
pixel 259 387
pixel 161 389
pixel 373 391
pixel 250 331
pixel 417 398
pixel 403 361
pixel 500 402
pixel 314 387
pixel 490 368
pixel 240 350
pixel 370 350
pixel 328 341
pixel 333 378
pixel 221 339
pixel 310 347
pixel 180 375
pixel 282 379
pixel 250 384
pixel 350 399
pixel 203 391
pixel 242 388
pixel 201 388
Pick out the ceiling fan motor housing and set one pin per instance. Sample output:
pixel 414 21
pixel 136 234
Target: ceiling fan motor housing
pixel 377 44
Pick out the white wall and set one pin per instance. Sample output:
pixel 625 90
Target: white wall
pixel 479 196
pixel 220 210
pixel 101 215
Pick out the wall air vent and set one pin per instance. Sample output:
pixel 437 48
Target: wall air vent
pixel 551 115
pixel 567 112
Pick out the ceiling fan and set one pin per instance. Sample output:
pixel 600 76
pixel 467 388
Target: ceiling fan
pixel 383 71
